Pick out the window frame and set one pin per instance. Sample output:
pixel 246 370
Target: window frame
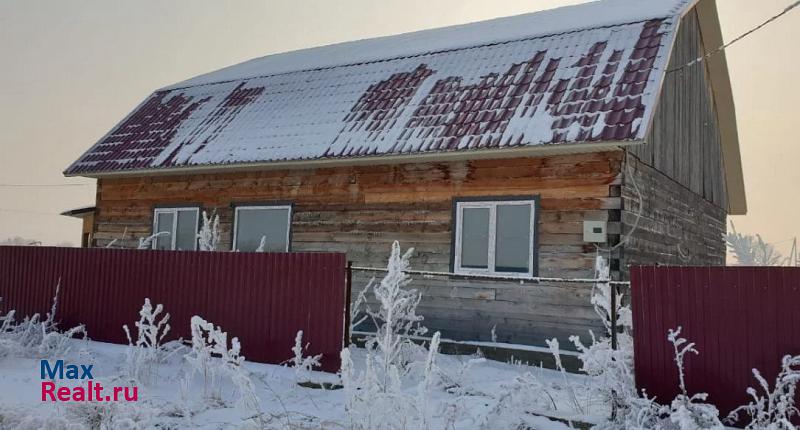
pixel 174 209
pixel 262 206
pixel 491 203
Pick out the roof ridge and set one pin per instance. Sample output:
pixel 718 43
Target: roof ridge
pixel 397 57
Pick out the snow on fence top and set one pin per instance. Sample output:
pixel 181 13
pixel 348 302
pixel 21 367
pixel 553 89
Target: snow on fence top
pixel 579 74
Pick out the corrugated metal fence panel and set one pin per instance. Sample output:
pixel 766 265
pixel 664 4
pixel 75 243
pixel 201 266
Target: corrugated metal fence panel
pixel 740 318
pixel 261 298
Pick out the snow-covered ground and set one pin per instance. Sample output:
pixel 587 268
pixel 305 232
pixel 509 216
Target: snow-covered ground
pixel 168 401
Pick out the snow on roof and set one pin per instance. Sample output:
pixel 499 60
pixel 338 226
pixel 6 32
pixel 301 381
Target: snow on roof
pixel 564 19
pixel 584 73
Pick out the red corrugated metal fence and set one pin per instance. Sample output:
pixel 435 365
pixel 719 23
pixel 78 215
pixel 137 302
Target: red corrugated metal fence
pixel 262 298
pixel 740 318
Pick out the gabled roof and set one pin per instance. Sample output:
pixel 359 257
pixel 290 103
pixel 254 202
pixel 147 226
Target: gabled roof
pixel 587 74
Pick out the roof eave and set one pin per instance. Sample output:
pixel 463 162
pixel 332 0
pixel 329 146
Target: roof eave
pixel 726 111
pixel 81 212
pixel 104 137
pixel 495 153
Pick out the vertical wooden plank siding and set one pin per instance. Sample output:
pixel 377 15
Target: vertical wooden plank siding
pixel 683 142
pixel 740 318
pixel 679 170
pixel 261 298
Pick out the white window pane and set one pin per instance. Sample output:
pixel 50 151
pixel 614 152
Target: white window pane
pixel 253 224
pixel 512 253
pixel 187 230
pixel 475 238
pixel 164 225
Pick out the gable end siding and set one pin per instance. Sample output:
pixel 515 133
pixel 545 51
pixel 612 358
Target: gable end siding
pixel 684 140
pixel 678 171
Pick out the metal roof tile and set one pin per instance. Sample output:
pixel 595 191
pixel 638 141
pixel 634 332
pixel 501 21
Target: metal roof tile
pixel 462 99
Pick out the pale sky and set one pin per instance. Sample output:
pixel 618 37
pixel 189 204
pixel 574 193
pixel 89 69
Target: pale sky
pixel 70 70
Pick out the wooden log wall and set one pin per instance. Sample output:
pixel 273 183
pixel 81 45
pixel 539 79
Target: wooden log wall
pixel 360 210
pixel 677 226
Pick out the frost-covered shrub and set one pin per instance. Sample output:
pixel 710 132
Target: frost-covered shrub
pixel 429 379
pixel 143 414
pixel 357 315
pixel 211 358
pixel 571 390
pixel 375 398
pixel 775 409
pixel 395 319
pixel 612 378
pixel 454 382
pixel 146 353
pixel 612 368
pixel 28 419
pixel 115 415
pixel 689 412
pixel 208 237
pixel 34 337
pixel 524 393
pixel 377 402
pixel 303 365
pixel 262 244
pixel 147 242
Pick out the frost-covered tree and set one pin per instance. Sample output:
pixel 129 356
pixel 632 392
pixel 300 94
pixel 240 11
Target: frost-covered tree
pixel 208 237
pixel 751 250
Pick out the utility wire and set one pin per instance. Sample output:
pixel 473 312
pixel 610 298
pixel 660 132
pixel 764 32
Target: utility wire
pixel 22 211
pixel 43 185
pixel 740 37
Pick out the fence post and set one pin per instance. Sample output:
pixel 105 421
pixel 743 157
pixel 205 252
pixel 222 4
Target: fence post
pixel 613 289
pixel 348 288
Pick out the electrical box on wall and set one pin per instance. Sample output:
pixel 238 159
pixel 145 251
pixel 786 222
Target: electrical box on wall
pixel 595 231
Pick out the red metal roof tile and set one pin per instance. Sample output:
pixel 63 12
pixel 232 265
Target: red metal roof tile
pixel 583 86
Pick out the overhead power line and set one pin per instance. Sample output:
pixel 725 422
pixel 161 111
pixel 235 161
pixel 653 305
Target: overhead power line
pixel 22 211
pixel 44 185
pixel 736 39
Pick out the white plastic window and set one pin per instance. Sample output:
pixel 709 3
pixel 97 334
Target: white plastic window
pixel 495 237
pixel 254 223
pixel 179 228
